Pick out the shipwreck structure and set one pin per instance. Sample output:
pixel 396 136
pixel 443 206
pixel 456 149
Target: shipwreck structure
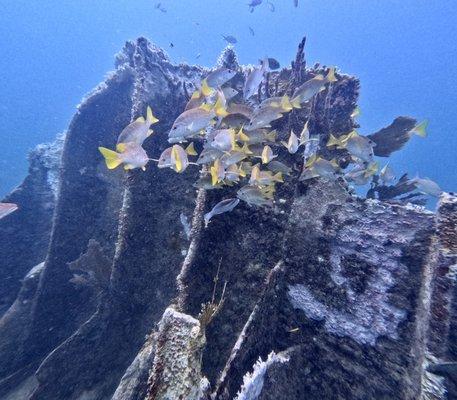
pixel 328 295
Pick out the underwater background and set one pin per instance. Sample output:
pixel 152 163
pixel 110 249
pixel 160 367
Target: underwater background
pixel 54 52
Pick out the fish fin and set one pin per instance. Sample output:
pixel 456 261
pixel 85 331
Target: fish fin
pixel 191 149
pixel 331 75
pixel 128 166
pixel 150 132
pixel 140 119
pixel 333 141
pixel 285 144
pixel 206 90
pixel 420 129
pixel 120 147
pixel 295 102
pixel 206 107
pixel 220 109
pixel 278 177
pixel 112 158
pixel 242 136
pixel 214 177
pixel 196 95
pixel 286 104
pixel 334 163
pixel 271 136
pixel 143 168
pixel 150 118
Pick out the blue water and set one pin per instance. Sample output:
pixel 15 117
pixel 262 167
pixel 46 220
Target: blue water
pixel 404 52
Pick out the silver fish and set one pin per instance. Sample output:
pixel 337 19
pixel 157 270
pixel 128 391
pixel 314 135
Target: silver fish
pixel 209 155
pixel 219 77
pixel 7 208
pixel 254 79
pixel 360 147
pixel 190 122
pixel 230 39
pixel 427 186
pixel 223 206
pixel 278 166
pixel 262 118
pixel 254 196
pixel 138 130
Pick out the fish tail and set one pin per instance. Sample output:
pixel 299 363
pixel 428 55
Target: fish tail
pixel 333 141
pixel 286 104
pixel 219 108
pixel 112 159
pixel 278 177
pixel 150 117
pixel 420 130
pixel 191 149
pixel 206 89
pixel 295 102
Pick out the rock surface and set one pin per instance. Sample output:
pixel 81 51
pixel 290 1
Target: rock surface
pixel 327 296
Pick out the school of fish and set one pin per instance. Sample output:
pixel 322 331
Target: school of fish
pixel 226 131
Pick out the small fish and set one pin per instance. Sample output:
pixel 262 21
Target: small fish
pixel 7 208
pixel 278 166
pixel 174 157
pixel 193 121
pixel 255 196
pixel 185 224
pixel 223 206
pixel 229 93
pixel 138 130
pixel 233 157
pixel 230 39
pixel 159 7
pixel 179 160
pixel 292 144
pixel 318 167
pixel 172 45
pixel 267 155
pixel 360 147
pixel 251 31
pixel 361 175
pixel 262 118
pixel 273 63
pixel 282 104
pixel 253 4
pixel 198 55
pixel 386 175
pixel 254 79
pixel 242 109
pixel 131 155
pixel 205 182
pixel 217 172
pixel 264 178
pixel 426 186
pixel 271 6
pixel 219 77
pixel 258 136
pixel 233 174
pixel 208 155
pixel 313 86
pixel 224 140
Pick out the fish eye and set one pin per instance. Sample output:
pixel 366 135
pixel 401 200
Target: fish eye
pixel 175 127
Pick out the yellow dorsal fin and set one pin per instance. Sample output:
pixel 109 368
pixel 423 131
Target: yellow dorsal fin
pixel 140 119
pixel 191 149
pixel 196 95
pixel 246 150
pixel 278 177
pixel 219 108
pixel 296 102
